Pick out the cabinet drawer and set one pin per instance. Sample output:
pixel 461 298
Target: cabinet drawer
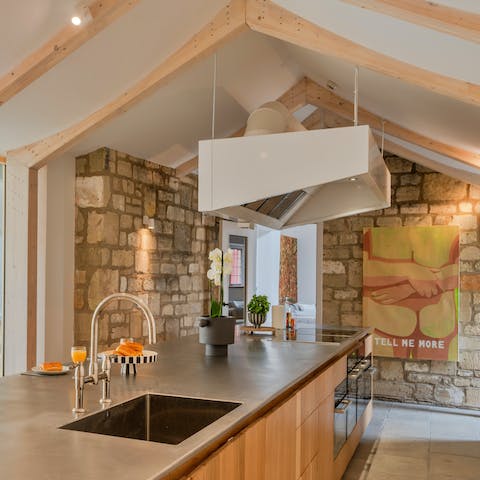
pixel 319 388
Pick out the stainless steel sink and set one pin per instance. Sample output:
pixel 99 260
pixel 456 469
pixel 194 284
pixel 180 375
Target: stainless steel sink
pixel 155 418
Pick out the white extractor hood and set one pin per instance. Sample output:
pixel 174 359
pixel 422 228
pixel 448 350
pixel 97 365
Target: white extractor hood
pixel 288 179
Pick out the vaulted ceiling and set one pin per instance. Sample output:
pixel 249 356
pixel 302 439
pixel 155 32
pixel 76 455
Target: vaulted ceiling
pixel 429 83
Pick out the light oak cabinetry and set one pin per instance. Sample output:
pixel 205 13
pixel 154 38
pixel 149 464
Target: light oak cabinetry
pixel 294 441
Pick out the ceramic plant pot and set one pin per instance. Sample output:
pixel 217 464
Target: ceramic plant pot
pixel 216 334
pixel 256 319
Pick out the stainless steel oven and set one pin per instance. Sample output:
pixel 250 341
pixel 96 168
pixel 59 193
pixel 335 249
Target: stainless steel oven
pixel 364 386
pixel 342 409
pixel 352 396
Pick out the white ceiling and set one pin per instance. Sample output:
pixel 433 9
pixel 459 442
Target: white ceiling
pixel 39 20
pixel 180 113
pixel 252 69
pixel 101 69
pixel 420 110
pixel 425 48
pixel 467 5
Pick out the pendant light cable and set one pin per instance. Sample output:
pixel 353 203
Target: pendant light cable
pixel 383 135
pixel 214 93
pixel 214 102
pixel 355 101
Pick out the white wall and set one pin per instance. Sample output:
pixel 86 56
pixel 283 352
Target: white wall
pixel 306 236
pixel 268 262
pixel 56 249
pixel 56 236
pixel 268 265
pixel 16 253
pixel 319 274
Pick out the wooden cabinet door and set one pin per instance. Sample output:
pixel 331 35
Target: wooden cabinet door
pixel 308 442
pixel 228 462
pixel 324 457
pixel 197 474
pixel 254 438
pixel 280 440
pixel 315 443
pixel 242 458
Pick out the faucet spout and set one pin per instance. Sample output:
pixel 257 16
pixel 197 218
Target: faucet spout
pixel 152 332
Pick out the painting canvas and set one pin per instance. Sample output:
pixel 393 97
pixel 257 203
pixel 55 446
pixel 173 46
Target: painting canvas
pixel 288 268
pixel 411 291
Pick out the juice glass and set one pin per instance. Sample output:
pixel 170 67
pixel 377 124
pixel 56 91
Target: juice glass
pixel 79 354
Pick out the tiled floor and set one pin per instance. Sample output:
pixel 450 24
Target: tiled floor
pixel 418 443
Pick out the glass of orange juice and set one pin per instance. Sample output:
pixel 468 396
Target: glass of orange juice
pixel 79 354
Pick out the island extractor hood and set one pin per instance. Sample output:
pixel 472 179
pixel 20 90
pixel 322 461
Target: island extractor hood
pixel 287 179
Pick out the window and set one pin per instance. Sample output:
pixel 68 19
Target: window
pixel 236 277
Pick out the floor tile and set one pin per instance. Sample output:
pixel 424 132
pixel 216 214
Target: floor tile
pixel 357 470
pixel 457 466
pixel 456 447
pixel 409 467
pixel 416 448
pixel 395 476
pixel 424 443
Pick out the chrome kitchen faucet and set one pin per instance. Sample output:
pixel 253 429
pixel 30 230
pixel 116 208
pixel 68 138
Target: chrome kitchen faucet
pixel 105 374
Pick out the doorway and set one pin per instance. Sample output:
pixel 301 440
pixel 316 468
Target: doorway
pixel 237 288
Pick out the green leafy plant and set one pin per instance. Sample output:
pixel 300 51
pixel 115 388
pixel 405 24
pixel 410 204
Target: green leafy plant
pixel 259 304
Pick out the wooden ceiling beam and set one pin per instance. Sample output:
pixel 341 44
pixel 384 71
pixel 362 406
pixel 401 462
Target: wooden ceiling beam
pixel 266 17
pixel 66 41
pixel 325 98
pixel 294 98
pixel 408 154
pixel 321 118
pixel 452 21
pixel 226 24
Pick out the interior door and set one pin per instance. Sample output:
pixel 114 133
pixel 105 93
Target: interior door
pixel 237 287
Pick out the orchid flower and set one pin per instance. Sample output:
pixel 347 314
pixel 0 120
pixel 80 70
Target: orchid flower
pixel 221 264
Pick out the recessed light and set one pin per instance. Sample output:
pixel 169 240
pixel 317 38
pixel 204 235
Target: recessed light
pixel 353 179
pixel 76 20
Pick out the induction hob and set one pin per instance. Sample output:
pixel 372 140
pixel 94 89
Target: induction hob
pixel 332 335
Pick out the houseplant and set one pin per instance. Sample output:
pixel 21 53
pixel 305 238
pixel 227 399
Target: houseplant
pixel 258 308
pixel 217 331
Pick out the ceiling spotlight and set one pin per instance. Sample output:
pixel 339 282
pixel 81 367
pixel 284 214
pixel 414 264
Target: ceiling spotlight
pixel 353 179
pixel 81 14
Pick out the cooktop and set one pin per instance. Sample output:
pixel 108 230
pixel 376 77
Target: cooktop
pixel 322 335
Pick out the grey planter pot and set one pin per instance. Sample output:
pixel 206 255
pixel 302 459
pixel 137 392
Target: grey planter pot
pixel 216 334
pixel 256 319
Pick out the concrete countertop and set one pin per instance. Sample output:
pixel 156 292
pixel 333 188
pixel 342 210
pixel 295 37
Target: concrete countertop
pixel 256 372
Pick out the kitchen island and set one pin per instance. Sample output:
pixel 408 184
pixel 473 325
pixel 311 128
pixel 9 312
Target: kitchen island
pixel 261 373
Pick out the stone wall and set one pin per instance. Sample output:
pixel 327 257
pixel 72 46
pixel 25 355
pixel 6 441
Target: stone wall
pixel 115 252
pixel 419 197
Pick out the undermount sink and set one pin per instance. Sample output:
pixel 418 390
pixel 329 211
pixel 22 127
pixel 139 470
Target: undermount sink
pixel 155 418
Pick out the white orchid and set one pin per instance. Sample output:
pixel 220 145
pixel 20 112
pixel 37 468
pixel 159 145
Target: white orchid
pixel 211 274
pixel 215 255
pixel 228 256
pixel 221 264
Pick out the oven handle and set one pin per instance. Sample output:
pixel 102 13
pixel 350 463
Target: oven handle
pixel 358 372
pixel 343 409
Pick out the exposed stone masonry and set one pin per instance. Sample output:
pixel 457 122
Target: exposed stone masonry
pixel 419 197
pixel 115 252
